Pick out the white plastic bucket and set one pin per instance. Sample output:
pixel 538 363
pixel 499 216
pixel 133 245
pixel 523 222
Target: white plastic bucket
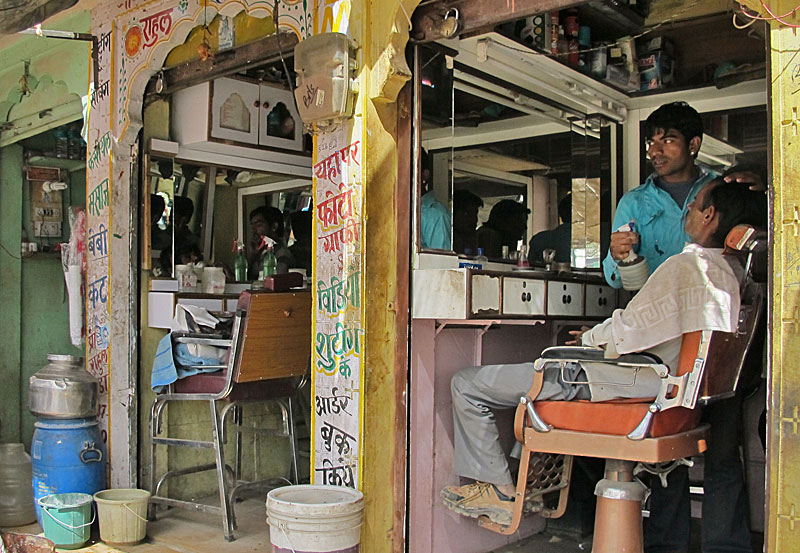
pixel 318 519
pixel 123 515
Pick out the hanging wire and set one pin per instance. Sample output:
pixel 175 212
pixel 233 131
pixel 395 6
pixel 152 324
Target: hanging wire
pixel 736 25
pixel 280 53
pixel 779 18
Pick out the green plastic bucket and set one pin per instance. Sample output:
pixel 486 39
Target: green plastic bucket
pixel 67 519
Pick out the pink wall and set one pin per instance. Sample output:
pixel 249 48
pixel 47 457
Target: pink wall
pixel 432 527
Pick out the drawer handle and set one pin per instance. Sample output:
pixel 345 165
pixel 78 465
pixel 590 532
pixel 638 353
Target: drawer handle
pixel 287 313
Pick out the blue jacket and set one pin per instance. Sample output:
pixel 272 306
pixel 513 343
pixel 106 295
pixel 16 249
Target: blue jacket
pixel 659 222
pixel 435 223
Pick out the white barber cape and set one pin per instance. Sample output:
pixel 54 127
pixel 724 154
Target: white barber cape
pixel 696 289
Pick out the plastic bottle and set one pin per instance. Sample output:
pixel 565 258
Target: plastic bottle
pixel 522 256
pixel 585 44
pixel 240 263
pixel 73 143
pixel 269 263
pixel 481 258
pixel 62 143
pixel 16 492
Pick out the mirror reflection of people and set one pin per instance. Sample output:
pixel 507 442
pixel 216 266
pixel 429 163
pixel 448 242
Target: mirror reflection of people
pixel 699 280
pixel 267 221
pixel 301 249
pixel 506 226
pixel 159 238
pixel 435 220
pixel 182 212
pixel 465 221
pixel 558 239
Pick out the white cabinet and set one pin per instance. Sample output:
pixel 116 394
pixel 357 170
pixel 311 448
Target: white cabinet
pixel 523 296
pixel 600 300
pixel 455 294
pixel 564 298
pixel 235 110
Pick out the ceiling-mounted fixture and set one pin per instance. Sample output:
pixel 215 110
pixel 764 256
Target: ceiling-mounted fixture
pixel 503 58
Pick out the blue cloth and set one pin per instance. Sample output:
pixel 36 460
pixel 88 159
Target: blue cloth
pixel 659 222
pixel 435 223
pixel 171 364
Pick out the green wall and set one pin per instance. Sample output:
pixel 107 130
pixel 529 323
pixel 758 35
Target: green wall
pixel 33 304
pixel 10 292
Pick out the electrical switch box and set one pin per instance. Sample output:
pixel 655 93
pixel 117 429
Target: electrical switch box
pixel 46 209
pixel 324 65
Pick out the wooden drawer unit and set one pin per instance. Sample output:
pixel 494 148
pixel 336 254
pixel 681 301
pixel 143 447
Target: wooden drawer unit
pixel 523 296
pixel 564 298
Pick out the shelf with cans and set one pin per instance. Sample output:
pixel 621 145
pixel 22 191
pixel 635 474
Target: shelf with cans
pixel 615 43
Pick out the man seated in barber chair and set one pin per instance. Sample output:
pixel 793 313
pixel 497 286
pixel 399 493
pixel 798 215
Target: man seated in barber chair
pixel 697 289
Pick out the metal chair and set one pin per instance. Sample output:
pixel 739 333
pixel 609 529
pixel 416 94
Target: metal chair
pixel 269 355
pixel 626 432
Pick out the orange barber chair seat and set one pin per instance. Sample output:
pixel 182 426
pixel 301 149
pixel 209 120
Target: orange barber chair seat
pixel 268 358
pixel 626 432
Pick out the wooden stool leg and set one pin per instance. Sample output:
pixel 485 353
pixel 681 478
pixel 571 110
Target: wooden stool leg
pixel 618 522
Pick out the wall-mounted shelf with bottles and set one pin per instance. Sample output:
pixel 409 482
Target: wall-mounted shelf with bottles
pixel 609 42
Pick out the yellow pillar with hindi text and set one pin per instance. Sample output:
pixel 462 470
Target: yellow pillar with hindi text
pixel 783 400
pixel 380 30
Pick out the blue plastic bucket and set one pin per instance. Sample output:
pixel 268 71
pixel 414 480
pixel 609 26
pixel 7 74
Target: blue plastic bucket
pixel 67 457
pixel 67 519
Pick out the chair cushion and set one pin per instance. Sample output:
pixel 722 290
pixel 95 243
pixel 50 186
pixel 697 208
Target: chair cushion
pixel 213 383
pixel 614 417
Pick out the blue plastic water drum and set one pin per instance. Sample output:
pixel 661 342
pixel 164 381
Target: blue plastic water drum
pixel 67 457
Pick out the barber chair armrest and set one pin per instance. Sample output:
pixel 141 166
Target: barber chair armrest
pixel 584 353
pixel 524 402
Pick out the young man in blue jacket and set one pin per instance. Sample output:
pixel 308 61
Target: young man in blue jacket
pixel 656 208
pixel 674 134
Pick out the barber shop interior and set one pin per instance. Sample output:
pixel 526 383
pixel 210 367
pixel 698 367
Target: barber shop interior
pixel 584 213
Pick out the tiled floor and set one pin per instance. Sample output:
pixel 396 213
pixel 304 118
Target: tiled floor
pixel 181 531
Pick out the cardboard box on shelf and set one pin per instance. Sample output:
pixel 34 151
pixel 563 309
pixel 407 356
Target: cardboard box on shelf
pixel 655 71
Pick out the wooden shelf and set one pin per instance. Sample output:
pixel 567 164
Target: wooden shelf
pixel 70 165
pixel 610 18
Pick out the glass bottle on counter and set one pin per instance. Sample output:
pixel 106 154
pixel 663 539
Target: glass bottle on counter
pixel 269 263
pixel 240 263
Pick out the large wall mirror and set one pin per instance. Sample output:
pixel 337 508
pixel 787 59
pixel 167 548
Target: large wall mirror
pixel 176 195
pixel 199 213
pixel 508 168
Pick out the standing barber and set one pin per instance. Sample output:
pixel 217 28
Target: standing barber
pixel 674 133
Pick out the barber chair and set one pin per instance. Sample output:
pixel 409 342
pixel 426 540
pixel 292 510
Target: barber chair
pixel 268 358
pixel 625 432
